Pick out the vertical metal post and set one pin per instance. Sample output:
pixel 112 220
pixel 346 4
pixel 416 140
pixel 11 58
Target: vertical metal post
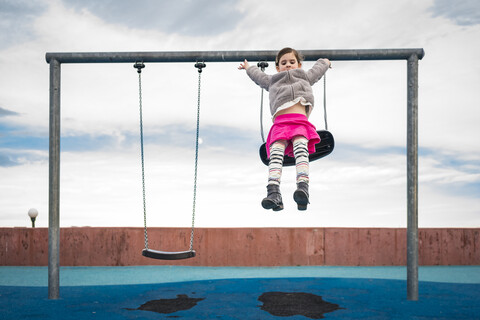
pixel 54 184
pixel 412 178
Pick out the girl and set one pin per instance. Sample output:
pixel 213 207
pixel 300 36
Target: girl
pixel 291 102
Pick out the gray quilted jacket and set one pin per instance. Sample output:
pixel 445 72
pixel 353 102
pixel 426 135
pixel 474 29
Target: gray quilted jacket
pixel 288 85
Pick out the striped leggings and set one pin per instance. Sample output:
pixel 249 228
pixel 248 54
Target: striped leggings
pixel 277 151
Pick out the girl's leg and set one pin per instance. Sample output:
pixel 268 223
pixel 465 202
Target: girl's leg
pixel 277 152
pixel 300 150
pixel 274 197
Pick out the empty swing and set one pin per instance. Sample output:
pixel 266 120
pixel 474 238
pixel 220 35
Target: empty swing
pixel 147 252
pixel 322 149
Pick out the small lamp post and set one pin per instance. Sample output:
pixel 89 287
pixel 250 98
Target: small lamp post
pixel 33 213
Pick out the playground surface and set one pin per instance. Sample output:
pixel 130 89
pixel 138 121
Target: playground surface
pixel 174 292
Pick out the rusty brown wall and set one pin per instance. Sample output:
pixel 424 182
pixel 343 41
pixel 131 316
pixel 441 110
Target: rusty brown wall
pixel 241 246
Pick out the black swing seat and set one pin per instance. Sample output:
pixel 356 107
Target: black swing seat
pixel 322 149
pixel 165 255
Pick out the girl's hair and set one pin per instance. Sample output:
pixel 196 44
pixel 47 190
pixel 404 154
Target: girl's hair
pixel 285 51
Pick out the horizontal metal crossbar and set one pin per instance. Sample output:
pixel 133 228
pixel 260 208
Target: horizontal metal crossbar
pixel 229 56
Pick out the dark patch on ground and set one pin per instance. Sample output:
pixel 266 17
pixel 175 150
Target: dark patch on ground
pixel 182 302
pixel 287 304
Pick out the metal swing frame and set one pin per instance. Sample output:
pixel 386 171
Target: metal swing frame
pixel 56 59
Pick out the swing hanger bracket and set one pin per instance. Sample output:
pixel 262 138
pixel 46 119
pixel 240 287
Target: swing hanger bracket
pixel 262 65
pixel 200 65
pixel 139 65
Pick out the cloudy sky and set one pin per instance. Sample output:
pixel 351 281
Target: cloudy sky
pixel 362 183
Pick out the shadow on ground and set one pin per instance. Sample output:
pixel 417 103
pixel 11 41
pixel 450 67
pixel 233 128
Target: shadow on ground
pixel 288 298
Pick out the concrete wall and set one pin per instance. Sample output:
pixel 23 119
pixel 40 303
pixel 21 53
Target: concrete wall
pixel 241 246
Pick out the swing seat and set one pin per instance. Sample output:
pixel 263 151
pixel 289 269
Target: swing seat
pixel 322 149
pixel 165 255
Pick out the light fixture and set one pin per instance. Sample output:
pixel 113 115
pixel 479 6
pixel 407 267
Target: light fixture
pixel 33 213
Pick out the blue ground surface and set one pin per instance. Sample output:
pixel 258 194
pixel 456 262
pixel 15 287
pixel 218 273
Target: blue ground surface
pixel 232 292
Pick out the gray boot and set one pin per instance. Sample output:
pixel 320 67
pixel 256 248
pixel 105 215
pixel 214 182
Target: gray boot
pixel 273 199
pixel 301 196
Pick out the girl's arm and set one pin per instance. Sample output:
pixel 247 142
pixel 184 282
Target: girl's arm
pixel 318 70
pixel 257 75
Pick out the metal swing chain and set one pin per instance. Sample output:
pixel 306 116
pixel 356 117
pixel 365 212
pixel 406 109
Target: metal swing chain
pixel 261 117
pixel 325 100
pixel 139 66
pixel 198 65
pixel 262 65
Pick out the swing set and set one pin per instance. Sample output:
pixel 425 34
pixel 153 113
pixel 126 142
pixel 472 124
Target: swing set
pixel 323 148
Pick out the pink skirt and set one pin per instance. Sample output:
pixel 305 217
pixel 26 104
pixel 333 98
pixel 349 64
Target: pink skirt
pixel 287 126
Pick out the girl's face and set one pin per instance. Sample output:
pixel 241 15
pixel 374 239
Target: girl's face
pixel 288 62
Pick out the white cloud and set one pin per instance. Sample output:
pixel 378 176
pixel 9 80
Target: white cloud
pixel 17 17
pixel 193 18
